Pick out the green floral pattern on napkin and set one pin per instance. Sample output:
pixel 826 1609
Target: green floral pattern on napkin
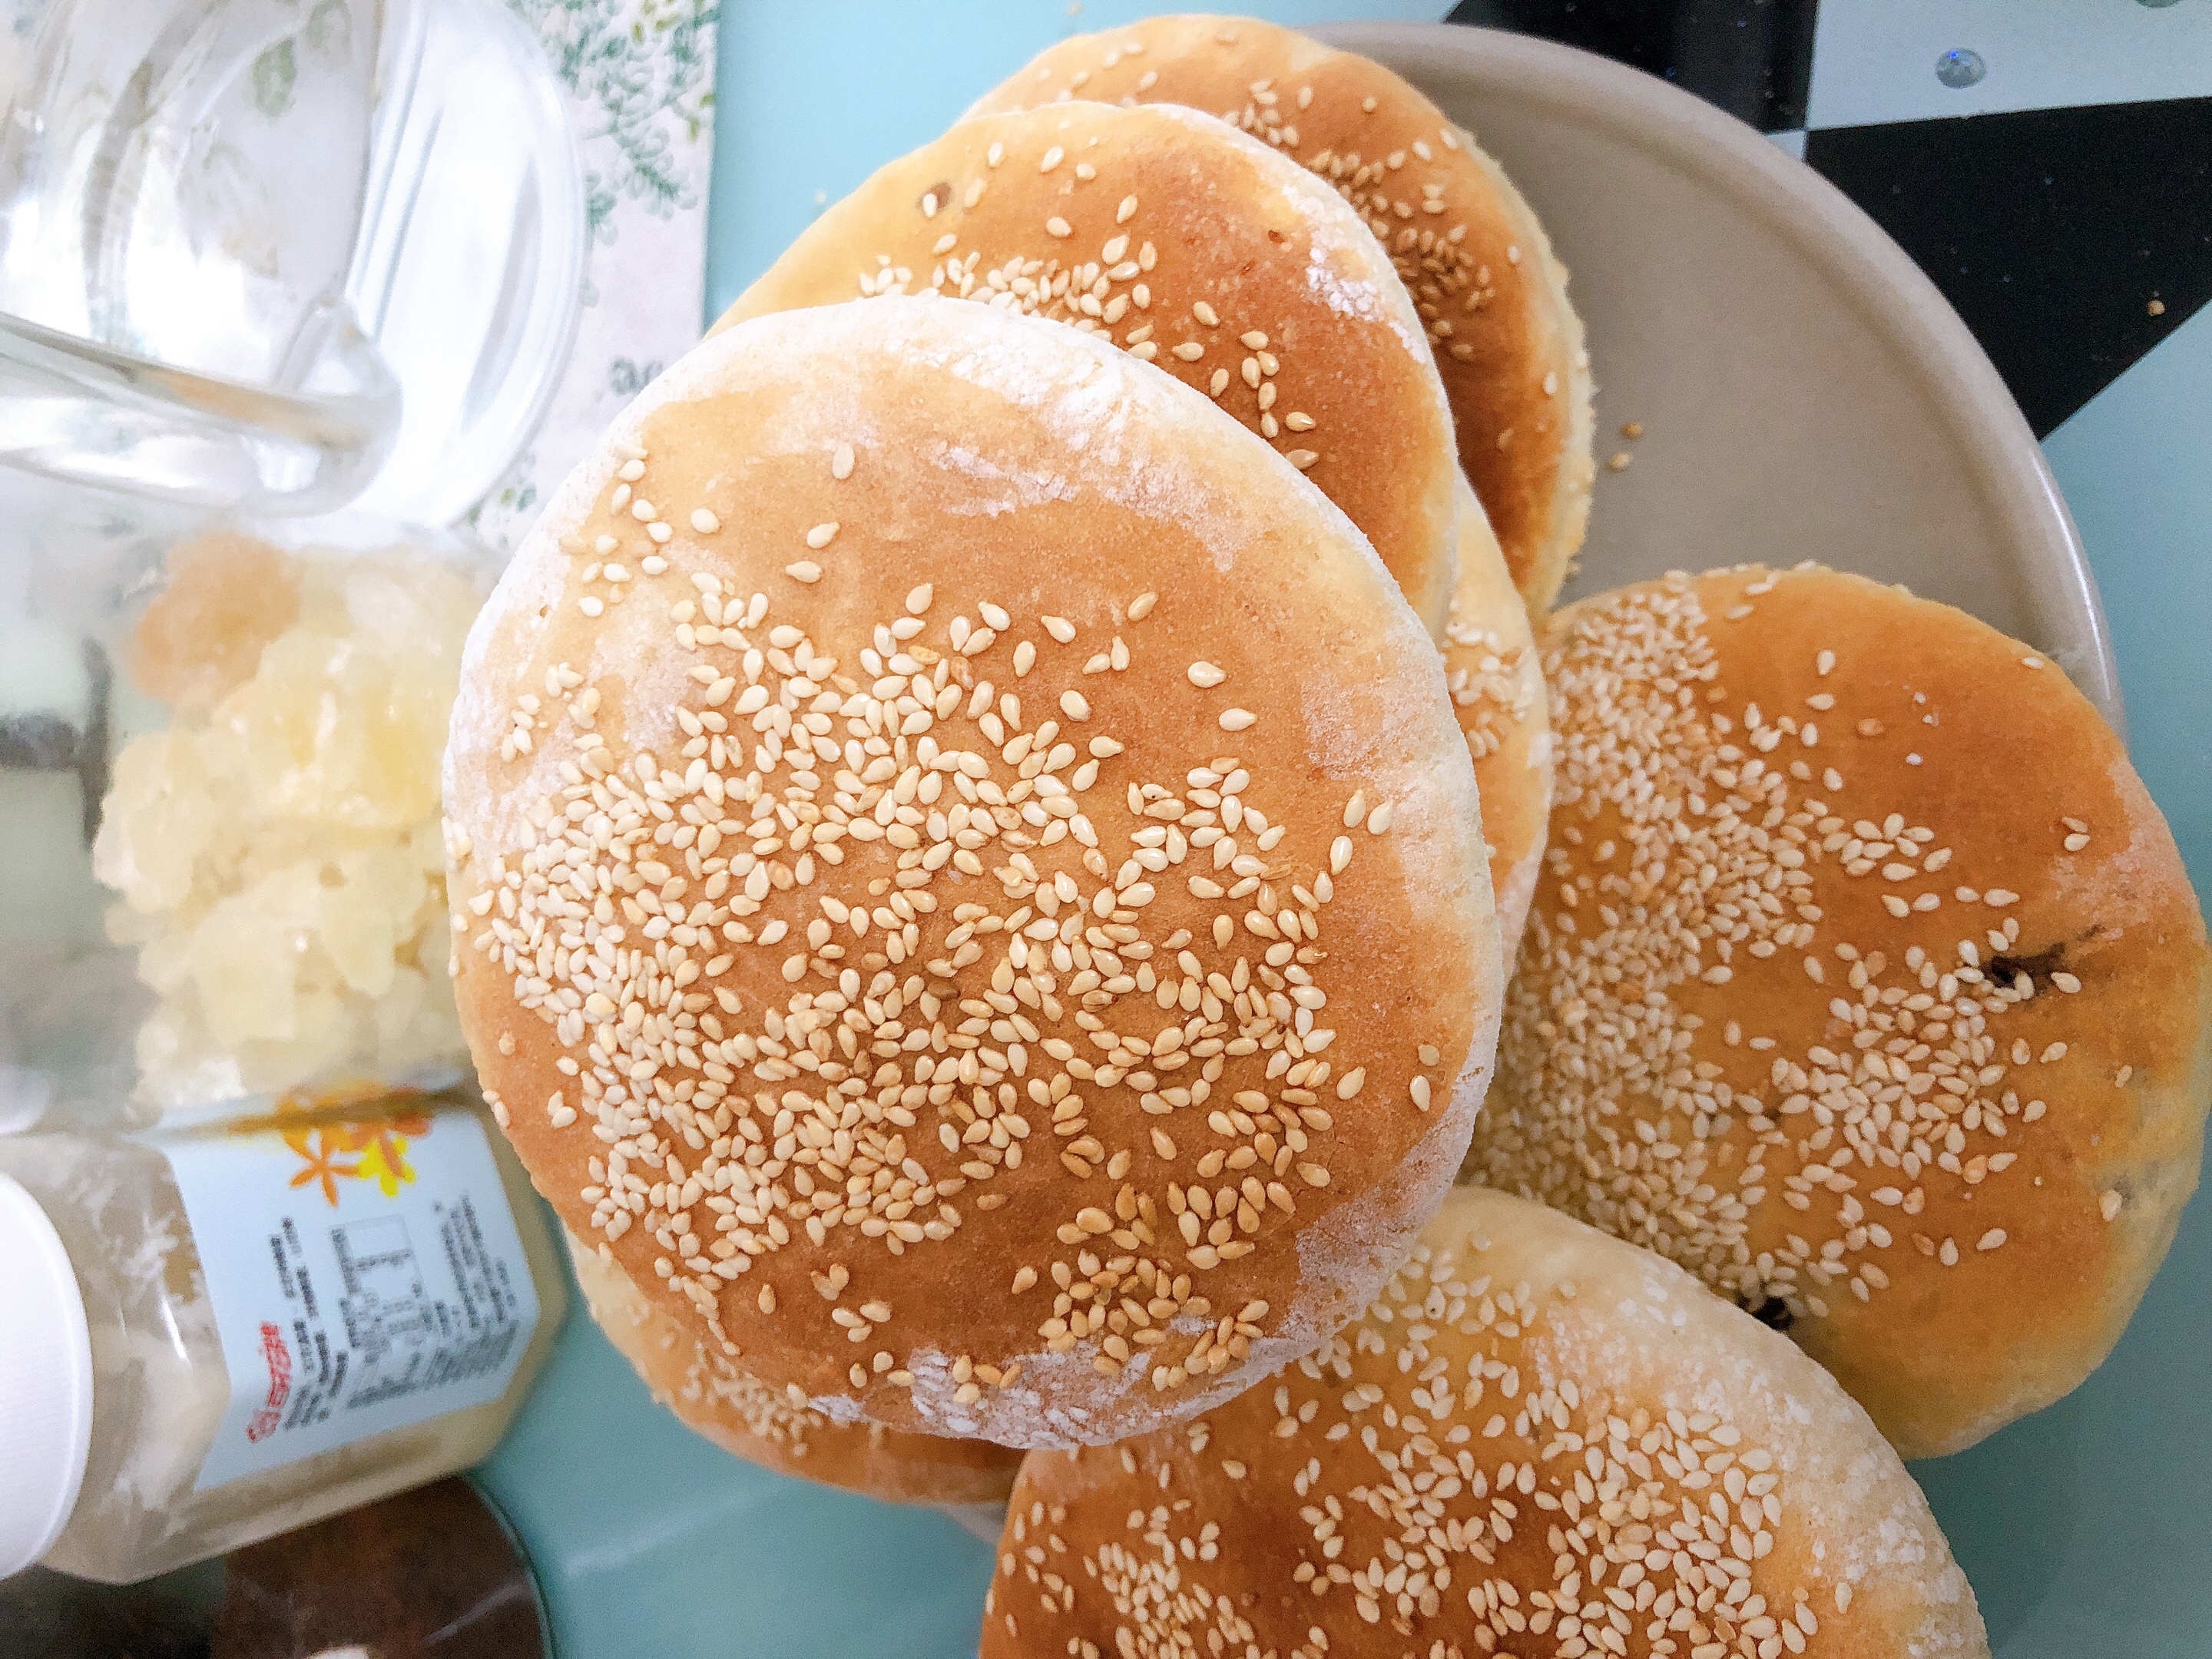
pixel 640 76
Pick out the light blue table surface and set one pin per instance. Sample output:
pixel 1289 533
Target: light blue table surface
pixel 649 1543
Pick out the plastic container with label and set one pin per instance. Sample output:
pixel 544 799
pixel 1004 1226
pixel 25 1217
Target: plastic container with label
pixel 207 1338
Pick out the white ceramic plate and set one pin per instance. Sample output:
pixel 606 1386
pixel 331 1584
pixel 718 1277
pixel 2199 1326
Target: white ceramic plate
pixel 1805 392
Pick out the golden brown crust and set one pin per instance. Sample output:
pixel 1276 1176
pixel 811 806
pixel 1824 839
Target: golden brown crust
pixel 1817 833
pixel 1538 1440
pixel 1199 250
pixel 927 929
pixel 1495 675
pixel 1492 295
pixel 712 1395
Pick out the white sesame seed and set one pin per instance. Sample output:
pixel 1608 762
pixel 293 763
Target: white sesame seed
pixel 1057 226
pixel 841 462
pixel 1126 211
pixel 1141 606
pixel 704 521
pixel 917 601
pixel 1378 820
pixel 591 605
pixel 1991 1239
pixel 1059 628
pixel 2109 1204
pixel 1238 720
pixel 822 535
pixel 805 571
pixel 1205 675
pixel 1053 158
pixel 1073 704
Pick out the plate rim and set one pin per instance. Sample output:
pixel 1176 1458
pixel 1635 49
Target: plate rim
pixel 1867 270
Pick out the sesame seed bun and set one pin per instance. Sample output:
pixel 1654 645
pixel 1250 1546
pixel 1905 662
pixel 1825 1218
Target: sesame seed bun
pixel 1200 251
pixel 1863 981
pixel 977 999
pixel 1496 677
pixel 712 1395
pixel 1538 1440
pixel 1493 298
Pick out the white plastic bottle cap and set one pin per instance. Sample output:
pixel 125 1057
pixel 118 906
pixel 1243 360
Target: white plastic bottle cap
pixel 45 1381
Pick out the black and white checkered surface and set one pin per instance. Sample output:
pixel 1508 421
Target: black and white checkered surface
pixel 2049 165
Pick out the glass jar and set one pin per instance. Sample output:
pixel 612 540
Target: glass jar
pixel 257 258
pixel 276 257
pixel 219 755
pixel 217 1336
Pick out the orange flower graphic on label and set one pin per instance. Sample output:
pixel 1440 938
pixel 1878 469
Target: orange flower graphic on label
pixel 377 1151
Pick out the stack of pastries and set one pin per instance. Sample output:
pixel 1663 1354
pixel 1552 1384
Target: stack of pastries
pixel 1026 818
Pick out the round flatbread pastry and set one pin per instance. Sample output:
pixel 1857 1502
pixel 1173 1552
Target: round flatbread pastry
pixel 1495 675
pixel 1538 1440
pixel 1492 296
pixel 939 813
pixel 713 1396
pixel 1863 981
pixel 1193 247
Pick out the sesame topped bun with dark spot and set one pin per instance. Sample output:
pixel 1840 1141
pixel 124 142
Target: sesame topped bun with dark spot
pixel 1195 248
pixel 1492 297
pixel 718 1398
pixel 966 878
pixel 1537 1441
pixel 1864 981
